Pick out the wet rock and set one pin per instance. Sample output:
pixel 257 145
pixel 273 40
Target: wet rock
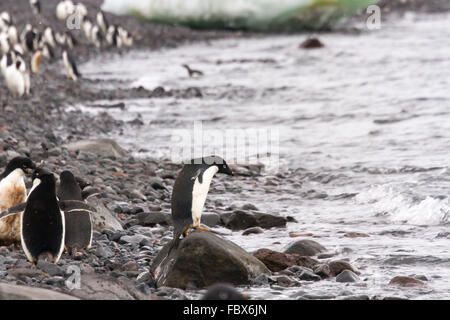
pixel 323 271
pixel 305 248
pixel 211 219
pixel 356 235
pixel 285 281
pixel 267 221
pixel 347 276
pixel 309 276
pixel 14 292
pixel 239 220
pixel 102 147
pixel 202 259
pixel 357 297
pixel 277 261
pixel 406 282
pixel 254 230
pixel 311 43
pixel 150 219
pixel 336 267
pixel 129 266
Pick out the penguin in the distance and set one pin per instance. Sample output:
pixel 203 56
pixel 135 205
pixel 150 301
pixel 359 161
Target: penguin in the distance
pixel 190 192
pixel 42 223
pixel 191 72
pixel 71 66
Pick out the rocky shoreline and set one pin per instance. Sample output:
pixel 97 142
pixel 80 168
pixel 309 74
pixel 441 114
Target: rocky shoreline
pixel 135 191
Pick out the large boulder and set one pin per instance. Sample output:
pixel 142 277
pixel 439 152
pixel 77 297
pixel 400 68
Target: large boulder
pixel 305 248
pixel 277 261
pixel 102 218
pixel 15 292
pixel 101 147
pixel 203 259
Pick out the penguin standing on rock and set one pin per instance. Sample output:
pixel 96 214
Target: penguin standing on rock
pixel 190 192
pixel 78 222
pixel 42 225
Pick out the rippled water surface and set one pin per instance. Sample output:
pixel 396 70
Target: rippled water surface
pixel 364 141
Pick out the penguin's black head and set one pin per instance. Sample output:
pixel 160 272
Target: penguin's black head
pixel 214 161
pixel 67 176
pixel 19 163
pixel 223 291
pixel 44 175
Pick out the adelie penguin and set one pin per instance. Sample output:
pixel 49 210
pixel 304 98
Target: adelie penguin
pixel 190 192
pixel 13 192
pixel 42 225
pixel 71 66
pixel 192 73
pixel 78 221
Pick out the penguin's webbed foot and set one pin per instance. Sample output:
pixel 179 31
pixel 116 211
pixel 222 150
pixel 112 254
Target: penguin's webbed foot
pixel 202 228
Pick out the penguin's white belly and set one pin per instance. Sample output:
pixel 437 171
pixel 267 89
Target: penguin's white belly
pixel 200 192
pixel 15 81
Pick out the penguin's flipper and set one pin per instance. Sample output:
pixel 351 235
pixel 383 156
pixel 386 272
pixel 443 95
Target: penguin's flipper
pixel 13 210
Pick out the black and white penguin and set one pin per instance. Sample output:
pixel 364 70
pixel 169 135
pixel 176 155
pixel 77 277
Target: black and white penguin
pixel 78 221
pixel 13 192
pixel 17 79
pixel 113 37
pixel 35 7
pixel 96 36
pixel 64 9
pixel 49 37
pixel 68 188
pixel 223 291
pixel 71 66
pixel 192 73
pixel 42 225
pixel 29 38
pixel 190 192
pixel 102 22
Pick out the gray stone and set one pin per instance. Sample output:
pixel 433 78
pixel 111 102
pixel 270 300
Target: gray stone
pixel 50 268
pixel 14 292
pixel 211 219
pixel 305 248
pixel 202 259
pixel 104 252
pixel 254 230
pixel 309 276
pixel 101 147
pixel 103 219
pixel 152 218
pixel 347 276
pixel 134 240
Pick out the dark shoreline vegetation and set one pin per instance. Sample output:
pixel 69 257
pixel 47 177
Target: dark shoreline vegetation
pixel 136 191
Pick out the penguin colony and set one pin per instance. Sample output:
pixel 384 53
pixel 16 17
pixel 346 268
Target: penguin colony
pixel 50 218
pixel 53 217
pixel 21 53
